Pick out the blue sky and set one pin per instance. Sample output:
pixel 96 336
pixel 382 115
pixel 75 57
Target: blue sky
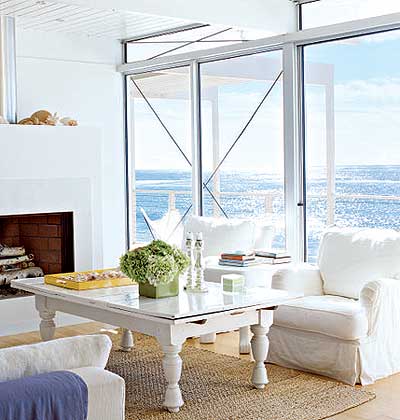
pixel 360 58
pixel 367 113
pixel 367 100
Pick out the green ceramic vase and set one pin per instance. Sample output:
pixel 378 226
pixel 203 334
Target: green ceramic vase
pixel 161 291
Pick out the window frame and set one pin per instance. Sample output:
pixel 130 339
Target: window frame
pixel 291 46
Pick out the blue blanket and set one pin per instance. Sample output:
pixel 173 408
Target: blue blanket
pixel 58 395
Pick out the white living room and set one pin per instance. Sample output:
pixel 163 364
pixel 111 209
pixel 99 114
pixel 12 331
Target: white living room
pixel 200 210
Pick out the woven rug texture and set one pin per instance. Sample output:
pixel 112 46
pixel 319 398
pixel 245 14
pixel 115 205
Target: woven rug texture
pixel 218 387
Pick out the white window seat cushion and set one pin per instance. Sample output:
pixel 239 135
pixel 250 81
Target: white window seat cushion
pixel 334 316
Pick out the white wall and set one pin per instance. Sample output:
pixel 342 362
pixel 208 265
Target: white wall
pixel 50 176
pixel 76 77
pixel 19 315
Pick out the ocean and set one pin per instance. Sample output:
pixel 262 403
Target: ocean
pixel 245 194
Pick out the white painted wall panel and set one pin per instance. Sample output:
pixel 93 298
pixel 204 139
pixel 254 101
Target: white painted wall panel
pixel 76 77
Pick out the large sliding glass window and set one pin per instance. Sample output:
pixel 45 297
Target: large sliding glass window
pixel 351 126
pixel 161 143
pixel 242 139
pixel 242 145
pixel 352 106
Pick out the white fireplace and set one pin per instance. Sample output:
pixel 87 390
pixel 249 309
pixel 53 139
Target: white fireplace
pixel 52 169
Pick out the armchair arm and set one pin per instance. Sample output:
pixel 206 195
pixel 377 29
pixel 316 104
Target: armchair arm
pixel 380 299
pixel 62 354
pixel 304 278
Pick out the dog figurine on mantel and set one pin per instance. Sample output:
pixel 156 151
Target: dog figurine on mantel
pixel 44 117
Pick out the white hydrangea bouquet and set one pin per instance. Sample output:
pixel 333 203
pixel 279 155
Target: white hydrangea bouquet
pixel 156 267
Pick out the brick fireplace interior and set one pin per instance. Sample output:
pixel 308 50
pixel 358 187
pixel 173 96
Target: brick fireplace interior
pixel 49 237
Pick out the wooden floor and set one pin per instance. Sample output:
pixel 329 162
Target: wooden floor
pixel 385 407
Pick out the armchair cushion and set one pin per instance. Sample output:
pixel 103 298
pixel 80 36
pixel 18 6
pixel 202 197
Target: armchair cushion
pixel 350 258
pixel 334 316
pixel 303 278
pixel 62 354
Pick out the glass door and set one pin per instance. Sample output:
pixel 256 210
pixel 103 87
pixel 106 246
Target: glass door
pixel 242 140
pixel 160 138
pixel 352 125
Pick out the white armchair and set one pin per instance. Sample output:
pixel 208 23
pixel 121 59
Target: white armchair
pixel 346 325
pixel 86 356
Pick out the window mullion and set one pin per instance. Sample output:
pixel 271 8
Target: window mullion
pixel 197 178
pixel 292 152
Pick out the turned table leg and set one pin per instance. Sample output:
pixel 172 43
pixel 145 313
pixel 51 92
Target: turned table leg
pixel 244 340
pixel 127 342
pixel 47 324
pixel 172 364
pixel 259 347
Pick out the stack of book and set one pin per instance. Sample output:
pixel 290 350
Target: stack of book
pixel 273 256
pixel 238 259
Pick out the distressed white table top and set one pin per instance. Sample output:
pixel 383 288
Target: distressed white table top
pixel 184 305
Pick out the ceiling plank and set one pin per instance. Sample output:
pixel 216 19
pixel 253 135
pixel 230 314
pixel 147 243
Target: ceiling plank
pixel 276 16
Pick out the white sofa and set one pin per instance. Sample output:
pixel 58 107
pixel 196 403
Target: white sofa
pixel 347 324
pixel 230 235
pixel 219 235
pixel 86 356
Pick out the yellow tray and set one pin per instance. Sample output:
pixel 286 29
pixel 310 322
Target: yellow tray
pixel 57 280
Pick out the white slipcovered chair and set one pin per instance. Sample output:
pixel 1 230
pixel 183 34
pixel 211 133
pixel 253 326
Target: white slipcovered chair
pixel 86 356
pixel 347 324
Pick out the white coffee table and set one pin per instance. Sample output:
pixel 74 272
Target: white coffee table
pixel 259 275
pixel 170 320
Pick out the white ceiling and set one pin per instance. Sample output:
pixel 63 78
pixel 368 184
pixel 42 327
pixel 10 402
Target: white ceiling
pixel 52 16
pixel 121 19
pixel 275 16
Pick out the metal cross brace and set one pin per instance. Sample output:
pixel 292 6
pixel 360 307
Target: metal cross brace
pixel 190 43
pixel 244 128
pixel 174 141
pixel 242 131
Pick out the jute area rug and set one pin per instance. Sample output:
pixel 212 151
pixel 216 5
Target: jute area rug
pixel 217 387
